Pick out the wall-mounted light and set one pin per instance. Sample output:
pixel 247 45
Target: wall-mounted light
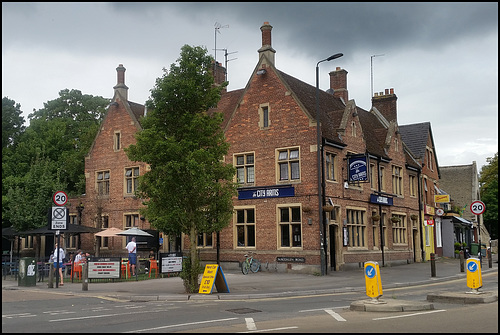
pixel 261 71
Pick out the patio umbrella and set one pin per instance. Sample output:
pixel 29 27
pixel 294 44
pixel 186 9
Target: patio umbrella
pixel 110 232
pixel 134 232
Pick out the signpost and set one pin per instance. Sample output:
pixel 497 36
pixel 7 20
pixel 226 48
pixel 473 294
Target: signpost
pixel 59 219
pixel 373 281
pixel 478 207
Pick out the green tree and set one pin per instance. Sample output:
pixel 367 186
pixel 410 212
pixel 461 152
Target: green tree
pixel 488 179
pixel 189 188
pixel 12 122
pixel 51 149
pixel 30 196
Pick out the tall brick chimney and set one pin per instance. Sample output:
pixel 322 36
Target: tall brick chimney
pixel 385 103
pixel 266 48
pixel 338 83
pixel 120 85
pixel 220 74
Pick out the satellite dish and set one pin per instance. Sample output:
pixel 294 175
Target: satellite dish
pixel 330 91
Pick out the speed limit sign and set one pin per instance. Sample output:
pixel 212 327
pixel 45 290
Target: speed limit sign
pixel 477 207
pixel 60 198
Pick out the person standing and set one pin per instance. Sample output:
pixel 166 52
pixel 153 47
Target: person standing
pixel 132 254
pixel 78 257
pixel 60 252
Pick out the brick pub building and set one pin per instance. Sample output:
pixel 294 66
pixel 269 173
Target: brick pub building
pixel 271 126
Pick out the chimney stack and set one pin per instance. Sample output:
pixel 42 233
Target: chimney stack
pixel 120 85
pixel 385 103
pixel 266 48
pixel 338 83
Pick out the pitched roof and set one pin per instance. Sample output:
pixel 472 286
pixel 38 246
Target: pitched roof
pixel 415 137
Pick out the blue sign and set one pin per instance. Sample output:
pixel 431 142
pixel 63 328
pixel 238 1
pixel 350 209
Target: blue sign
pixel 266 192
pixel 370 271
pixel 358 168
pixel 381 200
pixel 472 267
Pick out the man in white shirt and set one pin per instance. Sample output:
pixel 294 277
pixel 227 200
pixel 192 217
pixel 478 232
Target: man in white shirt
pixel 61 257
pixel 132 254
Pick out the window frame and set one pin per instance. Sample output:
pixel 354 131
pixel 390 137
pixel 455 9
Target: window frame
pixel 245 166
pixel 354 227
pixel 103 185
pixel 289 227
pixel 245 225
pixel 291 165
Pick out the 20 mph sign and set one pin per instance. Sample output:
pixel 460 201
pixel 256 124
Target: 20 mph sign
pixel 477 207
pixel 60 198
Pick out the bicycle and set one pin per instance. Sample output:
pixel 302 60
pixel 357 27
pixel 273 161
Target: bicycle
pixel 250 263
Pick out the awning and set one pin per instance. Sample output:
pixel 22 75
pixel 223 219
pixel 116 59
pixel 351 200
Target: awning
pixel 71 229
pixel 462 221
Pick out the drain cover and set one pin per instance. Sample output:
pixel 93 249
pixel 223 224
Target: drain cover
pixel 243 310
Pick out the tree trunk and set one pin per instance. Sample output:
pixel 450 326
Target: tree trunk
pixel 193 281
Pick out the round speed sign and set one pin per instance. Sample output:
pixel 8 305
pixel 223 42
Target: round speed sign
pixel 60 198
pixel 477 207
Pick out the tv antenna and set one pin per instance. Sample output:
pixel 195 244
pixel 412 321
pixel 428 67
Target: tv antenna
pixel 225 58
pixel 371 72
pixel 217 26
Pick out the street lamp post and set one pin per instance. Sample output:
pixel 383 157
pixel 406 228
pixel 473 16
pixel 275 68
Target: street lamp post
pixel 319 166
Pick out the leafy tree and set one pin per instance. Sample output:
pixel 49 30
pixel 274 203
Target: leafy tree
pixel 488 179
pixel 189 188
pixel 12 122
pixel 31 195
pixel 47 156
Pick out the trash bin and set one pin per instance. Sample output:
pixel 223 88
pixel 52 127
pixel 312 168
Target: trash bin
pixel 27 272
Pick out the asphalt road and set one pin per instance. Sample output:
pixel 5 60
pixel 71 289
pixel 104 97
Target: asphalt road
pixel 39 311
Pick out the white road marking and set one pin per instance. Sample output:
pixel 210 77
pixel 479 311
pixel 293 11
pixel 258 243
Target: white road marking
pixel 414 314
pixel 267 330
pixel 180 325
pixel 335 315
pixel 250 324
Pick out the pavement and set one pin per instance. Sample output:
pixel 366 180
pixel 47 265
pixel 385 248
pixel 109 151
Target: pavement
pixel 267 284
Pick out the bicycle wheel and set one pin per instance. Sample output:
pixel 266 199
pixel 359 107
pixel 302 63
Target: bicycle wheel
pixel 245 267
pixel 255 266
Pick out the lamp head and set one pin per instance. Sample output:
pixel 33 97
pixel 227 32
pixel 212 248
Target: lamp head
pixel 335 56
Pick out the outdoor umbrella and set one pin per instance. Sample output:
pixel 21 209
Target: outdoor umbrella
pixel 134 232
pixel 110 232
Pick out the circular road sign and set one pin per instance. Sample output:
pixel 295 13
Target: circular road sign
pixel 477 207
pixel 370 271
pixel 60 198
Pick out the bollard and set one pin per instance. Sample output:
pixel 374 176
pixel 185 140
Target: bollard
pixel 462 261
pixel 85 276
pixel 51 275
pixel 490 260
pixel 433 265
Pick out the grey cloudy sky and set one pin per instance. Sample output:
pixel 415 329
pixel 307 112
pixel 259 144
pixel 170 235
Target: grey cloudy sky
pixel 440 58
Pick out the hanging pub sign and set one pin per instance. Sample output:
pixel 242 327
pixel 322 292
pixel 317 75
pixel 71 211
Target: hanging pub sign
pixel 358 168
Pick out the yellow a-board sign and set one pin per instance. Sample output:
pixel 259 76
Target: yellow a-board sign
pixel 474 277
pixel 213 275
pixel 372 280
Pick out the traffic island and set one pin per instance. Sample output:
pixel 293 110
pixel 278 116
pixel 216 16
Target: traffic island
pixel 463 297
pixel 390 305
